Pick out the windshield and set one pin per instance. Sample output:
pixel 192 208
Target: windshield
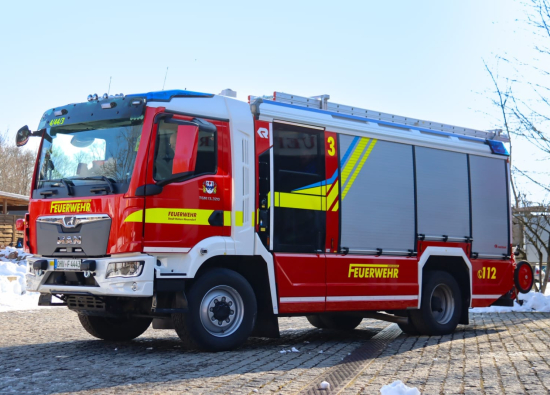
pixel 82 154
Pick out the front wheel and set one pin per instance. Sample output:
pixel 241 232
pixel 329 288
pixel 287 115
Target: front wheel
pixel 222 312
pixel 341 322
pixel 316 321
pixel 114 329
pixel 441 305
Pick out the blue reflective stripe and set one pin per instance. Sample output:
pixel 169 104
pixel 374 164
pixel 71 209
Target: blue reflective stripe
pixel 168 95
pixel 340 115
pixel 318 184
pixel 349 151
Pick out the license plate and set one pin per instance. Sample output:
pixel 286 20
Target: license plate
pixel 68 264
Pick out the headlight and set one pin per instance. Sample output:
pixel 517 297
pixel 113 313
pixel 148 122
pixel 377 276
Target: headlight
pixel 124 269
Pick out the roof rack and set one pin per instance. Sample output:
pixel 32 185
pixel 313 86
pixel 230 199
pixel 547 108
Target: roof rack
pixel 321 103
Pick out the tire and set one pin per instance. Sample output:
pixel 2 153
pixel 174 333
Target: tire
pixel 409 328
pixel 441 305
pixel 114 329
pixel 341 322
pixel 316 321
pixel 204 328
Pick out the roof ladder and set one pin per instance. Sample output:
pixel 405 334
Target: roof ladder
pixel 321 102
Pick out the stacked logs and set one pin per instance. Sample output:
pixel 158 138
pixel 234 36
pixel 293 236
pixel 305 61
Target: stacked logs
pixel 8 233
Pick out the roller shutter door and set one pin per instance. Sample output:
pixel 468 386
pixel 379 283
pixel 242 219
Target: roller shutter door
pixel 377 194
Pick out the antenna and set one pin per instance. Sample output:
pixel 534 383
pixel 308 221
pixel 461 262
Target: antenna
pixel 109 90
pixel 165 78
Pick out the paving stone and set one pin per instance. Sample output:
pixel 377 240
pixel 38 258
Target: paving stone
pixel 47 351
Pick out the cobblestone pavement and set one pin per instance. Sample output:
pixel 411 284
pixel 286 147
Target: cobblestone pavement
pixel 47 351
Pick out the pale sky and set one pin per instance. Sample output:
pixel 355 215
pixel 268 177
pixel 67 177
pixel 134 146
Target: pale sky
pixel 422 59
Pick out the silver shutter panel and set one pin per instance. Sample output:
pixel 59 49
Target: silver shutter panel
pixel 377 194
pixel 443 201
pixel 489 206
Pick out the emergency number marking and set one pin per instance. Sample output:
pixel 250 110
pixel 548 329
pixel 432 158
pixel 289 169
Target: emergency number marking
pixel 70 206
pixel 331 150
pixel 57 121
pixel 489 273
pixel 370 270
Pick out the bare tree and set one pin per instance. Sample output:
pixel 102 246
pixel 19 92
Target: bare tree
pixel 16 167
pixel 524 104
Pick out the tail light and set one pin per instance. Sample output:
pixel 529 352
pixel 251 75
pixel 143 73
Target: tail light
pixel 26 239
pixel 20 225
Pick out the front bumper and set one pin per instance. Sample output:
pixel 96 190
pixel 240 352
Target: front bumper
pixel 140 286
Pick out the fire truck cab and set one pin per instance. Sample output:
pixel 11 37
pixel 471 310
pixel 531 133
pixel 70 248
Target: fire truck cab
pixel 213 217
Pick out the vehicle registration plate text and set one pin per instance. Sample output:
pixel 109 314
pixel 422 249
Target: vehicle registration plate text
pixel 68 264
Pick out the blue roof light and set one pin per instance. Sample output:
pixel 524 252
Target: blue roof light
pixel 497 147
pixel 168 95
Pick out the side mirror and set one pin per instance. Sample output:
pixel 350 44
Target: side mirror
pixel 22 136
pixel 185 155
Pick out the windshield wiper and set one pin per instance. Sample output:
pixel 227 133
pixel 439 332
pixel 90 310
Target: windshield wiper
pixel 64 181
pixel 107 180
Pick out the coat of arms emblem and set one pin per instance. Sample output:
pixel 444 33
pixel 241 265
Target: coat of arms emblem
pixel 209 187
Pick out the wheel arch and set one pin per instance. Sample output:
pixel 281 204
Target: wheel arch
pixel 257 269
pixel 453 261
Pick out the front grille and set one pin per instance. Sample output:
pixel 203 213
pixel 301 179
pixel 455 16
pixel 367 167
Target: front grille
pixel 79 302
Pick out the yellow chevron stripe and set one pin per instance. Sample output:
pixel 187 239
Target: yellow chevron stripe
pixel 311 191
pixel 335 208
pixel 304 202
pixel 333 195
pixel 354 158
pixel 358 169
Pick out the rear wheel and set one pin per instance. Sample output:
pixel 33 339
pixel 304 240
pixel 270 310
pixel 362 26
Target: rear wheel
pixel 441 305
pixel 316 321
pixel 409 328
pixel 222 312
pixel 115 329
pixel 341 321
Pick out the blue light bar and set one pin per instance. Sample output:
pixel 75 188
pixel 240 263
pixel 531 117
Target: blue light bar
pixel 497 147
pixel 168 95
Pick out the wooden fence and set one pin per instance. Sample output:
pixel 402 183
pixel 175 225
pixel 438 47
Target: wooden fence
pixel 8 233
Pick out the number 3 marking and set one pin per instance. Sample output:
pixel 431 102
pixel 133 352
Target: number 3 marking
pixel 331 150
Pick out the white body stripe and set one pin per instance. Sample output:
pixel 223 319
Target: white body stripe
pixel 303 300
pixel 370 298
pixel 166 249
pixel 486 296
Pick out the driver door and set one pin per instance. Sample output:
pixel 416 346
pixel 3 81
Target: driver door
pixel 180 214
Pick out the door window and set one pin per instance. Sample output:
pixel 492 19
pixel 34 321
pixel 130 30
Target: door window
pixel 165 149
pixel 300 189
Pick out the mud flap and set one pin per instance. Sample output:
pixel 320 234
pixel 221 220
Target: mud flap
pixel 465 315
pixel 267 325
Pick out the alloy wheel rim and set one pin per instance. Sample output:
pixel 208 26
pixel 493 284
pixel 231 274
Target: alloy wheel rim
pixel 442 304
pixel 221 311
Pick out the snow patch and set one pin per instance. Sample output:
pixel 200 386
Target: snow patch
pixel 532 302
pixel 398 388
pixel 324 386
pixel 13 294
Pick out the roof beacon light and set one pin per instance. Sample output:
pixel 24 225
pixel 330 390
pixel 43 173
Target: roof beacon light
pixel 95 97
pixel 108 105
pixel 90 97
pixel 228 92
pixel 105 96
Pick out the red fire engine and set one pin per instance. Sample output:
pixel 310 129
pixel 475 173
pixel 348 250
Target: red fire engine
pixel 213 217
